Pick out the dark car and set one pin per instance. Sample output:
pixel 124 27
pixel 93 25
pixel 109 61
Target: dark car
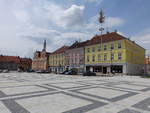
pixel 30 71
pixel 89 73
pixel 64 72
pixel 71 72
pixel 43 71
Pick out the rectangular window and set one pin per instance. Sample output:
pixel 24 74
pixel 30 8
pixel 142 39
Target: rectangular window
pixel 119 45
pixel 93 49
pixel 99 47
pixel 93 58
pixel 88 59
pixel 105 57
pixel 119 56
pixel 112 46
pixel 99 57
pixel 105 47
pixel 112 56
pixel 88 50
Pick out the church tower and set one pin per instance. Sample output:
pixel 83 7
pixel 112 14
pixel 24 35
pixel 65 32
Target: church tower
pixel 44 46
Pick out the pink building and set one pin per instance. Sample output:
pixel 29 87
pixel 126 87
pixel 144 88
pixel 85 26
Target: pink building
pixel 75 56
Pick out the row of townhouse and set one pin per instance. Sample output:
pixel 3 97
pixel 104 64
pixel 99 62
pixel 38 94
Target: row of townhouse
pixel 107 53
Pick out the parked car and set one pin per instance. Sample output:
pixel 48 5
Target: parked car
pixel 89 73
pixel 64 72
pixel 43 71
pixel 30 71
pixel 71 72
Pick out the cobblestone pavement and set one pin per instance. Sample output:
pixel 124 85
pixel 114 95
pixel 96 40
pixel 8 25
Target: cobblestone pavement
pixel 50 93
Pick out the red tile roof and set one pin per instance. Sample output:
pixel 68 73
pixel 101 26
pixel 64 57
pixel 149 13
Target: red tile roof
pixel 78 44
pixel 14 59
pixel 61 50
pixel 109 37
pixel 26 60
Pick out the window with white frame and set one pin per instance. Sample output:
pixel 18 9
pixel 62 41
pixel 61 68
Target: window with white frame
pixel 105 47
pixel 99 47
pixel 112 56
pixel 105 56
pixel 99 57
pixel 93 58
pixel 112 46
pixel 88 50
pixel 119 56
pixel 93 49
pixel 88 58
pixel 119 45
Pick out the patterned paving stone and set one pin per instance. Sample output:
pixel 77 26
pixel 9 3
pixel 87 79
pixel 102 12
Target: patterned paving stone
pixel 67 85
pixel 49 103
pixel 3 108
pixel 144 105
pixel 129 111
pixel 51 93
pixel 109 94
pixel 132 87
pixel 23 89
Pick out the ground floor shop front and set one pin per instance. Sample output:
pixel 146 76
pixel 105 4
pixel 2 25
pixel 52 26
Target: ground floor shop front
pixel 79 68
pixel 105 69
pixel 121 68
pixel 57 69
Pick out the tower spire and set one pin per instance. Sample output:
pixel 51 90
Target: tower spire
pixel 44 46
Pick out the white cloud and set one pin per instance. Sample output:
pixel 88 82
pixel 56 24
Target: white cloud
pixel 26 23
pixel 67 18
pixel 94 1
pixel 143 39
pixel 22 16
pixel 114 21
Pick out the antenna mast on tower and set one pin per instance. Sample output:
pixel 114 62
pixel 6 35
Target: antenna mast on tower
pixel 101 21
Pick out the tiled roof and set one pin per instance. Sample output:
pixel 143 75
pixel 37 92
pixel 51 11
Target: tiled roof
pixel 61 50
pixel 78 44
pixel 109 37
pixel 14 59
pixel 25 60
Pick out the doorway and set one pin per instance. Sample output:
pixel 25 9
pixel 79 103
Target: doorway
pixel 104 70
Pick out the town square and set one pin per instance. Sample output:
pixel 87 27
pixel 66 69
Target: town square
pixel 74 56
pixel 51 93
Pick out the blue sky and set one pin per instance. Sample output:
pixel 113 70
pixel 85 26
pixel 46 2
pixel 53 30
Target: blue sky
pixel 24 24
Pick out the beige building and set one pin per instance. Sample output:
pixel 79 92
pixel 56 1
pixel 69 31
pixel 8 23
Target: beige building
pixel 57 61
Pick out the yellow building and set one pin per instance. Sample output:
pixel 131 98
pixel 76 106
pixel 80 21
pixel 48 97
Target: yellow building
pixel 57 60
pixel 114 53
